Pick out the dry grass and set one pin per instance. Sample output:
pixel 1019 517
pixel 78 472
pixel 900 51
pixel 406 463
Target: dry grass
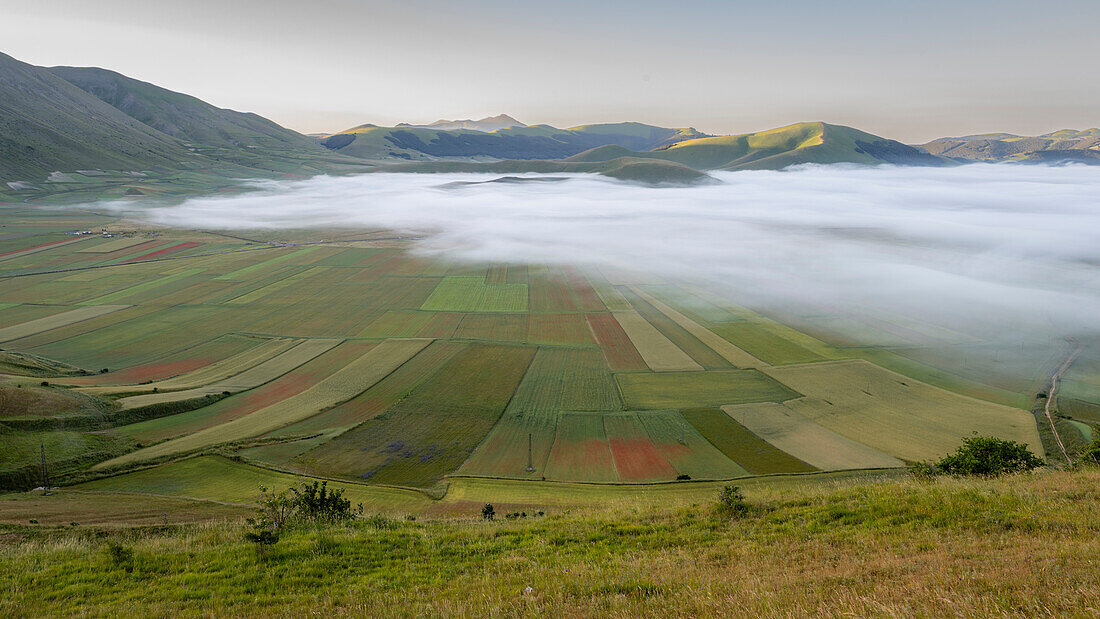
pixel 1015 547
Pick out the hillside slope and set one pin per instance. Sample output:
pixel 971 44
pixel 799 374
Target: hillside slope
pixel 1055 147
pixel 182 116
pixel 1018 546
pixel 810 142
pixel 523 142
pixel 48 124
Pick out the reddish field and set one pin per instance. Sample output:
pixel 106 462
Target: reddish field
pixel 548 292
pixel 636 457
pixel 237 406
pixel 585 296
pixel 140 373
pixel 617 348
pixel 166 250
pixel 580 451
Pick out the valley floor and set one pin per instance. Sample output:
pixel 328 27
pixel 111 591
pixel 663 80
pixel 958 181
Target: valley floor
pixel 1017 546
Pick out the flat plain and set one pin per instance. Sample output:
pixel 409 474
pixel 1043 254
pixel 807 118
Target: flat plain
pixel 223 362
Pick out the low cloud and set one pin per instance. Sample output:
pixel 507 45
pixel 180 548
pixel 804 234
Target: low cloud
pixel 999 251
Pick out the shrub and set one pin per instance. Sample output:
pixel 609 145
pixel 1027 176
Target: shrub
pixel 488 512
pixel 1091 454
pixel 923 471
pixel 989 456
pixel 731 501
pixel 304 503
pixel 316 503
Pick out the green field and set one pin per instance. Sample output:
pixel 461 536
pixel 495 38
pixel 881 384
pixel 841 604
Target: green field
pixel 361 362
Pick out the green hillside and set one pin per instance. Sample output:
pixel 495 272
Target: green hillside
pixel 1056 147
pixel 69 119
pixel 811 142
pixel 48 124
pixel 519 142
pixel 182 116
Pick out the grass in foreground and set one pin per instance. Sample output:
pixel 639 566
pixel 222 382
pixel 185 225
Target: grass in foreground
pixel 1023 546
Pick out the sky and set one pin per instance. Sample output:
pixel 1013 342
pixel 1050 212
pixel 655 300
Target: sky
pixel 912 70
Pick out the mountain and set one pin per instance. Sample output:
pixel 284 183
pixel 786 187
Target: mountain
pixel 48 124
pixel 527 142
pixel 686 161
pixel 64 119
pixel 181 116
pixel 1067 145
pixel 491 123
pixel 810 142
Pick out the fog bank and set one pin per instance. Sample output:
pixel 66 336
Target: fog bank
pixel 987 248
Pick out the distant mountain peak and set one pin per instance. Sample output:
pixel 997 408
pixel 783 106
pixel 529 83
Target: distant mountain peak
pixel 487 124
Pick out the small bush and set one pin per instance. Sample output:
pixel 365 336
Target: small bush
pixel 683 477
pixel 488 512
pixel 731 501
pixel 1091 454
pixel 121 557
pixel 989 456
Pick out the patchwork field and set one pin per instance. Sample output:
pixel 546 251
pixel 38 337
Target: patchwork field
pixel 166 350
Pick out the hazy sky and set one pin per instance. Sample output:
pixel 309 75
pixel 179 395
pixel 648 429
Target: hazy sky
pixel 909 69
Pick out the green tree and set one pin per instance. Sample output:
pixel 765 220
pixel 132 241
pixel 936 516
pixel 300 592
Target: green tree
pixel 989 456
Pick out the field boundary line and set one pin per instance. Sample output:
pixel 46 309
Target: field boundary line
pixel 739 357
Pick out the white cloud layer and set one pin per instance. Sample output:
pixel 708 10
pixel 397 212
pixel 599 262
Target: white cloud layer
pixel 996 249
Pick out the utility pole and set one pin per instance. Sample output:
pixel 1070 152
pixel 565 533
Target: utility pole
pixel 530 460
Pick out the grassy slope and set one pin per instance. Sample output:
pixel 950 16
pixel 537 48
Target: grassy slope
pixel 811 142
pixel 1016 546
pixel 533 142
pixel 47 124
pixel 182 116
pixel 1067 143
